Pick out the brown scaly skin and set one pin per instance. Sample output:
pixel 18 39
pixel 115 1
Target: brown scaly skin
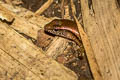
pixel 64 28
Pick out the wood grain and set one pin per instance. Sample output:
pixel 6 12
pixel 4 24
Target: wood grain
pixel 21 55
pixel 30 56
pixel 101 23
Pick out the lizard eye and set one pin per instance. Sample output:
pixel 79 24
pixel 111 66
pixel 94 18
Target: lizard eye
pixel 56 29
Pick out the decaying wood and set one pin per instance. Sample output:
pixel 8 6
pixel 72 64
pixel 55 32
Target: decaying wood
pixel 28 56
pixel 5 15
pixel 10 68
pixel 57 47
pixel 33 23
pixel 89 51
pixel 101 19
pixel 31 57
pixel 20 23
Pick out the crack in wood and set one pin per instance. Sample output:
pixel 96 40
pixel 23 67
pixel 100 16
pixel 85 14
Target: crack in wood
pixel 6 21
pixel 27 37
pixel 90 5
pixel 118 3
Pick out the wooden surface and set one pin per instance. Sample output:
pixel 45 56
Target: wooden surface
pixel 101 22
pixel 21 52
pixel 102 25
pixel 20 59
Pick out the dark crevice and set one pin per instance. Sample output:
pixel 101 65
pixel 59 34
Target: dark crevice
pixel 27 37
pixel 89 3
pixel 8 22
pixel 118 3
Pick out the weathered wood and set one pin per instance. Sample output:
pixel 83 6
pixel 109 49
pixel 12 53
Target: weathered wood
pixel 27 54
pixel 101 21
pixel 88 49
pixel 31 57
pixel 5 14
pixel 10 68
pixel 21 24
pixel 57 47
pixel 89 53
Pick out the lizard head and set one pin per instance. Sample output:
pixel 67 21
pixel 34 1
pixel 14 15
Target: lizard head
pixel 64 28
pixel 57 26
pixel 53 25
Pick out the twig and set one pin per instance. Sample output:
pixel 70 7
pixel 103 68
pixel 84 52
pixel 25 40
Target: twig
pixel 89 51
pixel 43 8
